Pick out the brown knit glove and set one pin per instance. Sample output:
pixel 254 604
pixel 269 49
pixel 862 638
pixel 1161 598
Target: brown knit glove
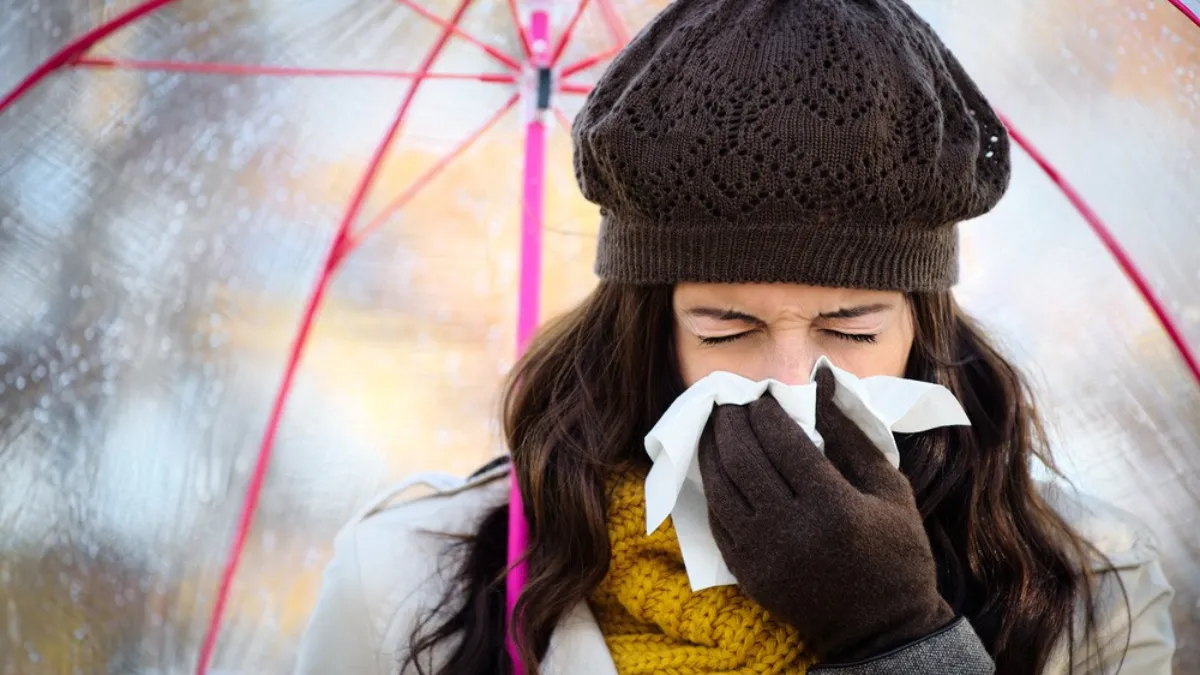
pixel 831 543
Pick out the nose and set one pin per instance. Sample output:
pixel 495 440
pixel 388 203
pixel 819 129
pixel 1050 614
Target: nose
pixel 792 361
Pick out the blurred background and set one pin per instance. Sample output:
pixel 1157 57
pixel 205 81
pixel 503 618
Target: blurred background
pixel 160 232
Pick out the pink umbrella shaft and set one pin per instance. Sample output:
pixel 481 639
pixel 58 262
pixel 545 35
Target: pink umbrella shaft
pixel 531 234
pixel 527 313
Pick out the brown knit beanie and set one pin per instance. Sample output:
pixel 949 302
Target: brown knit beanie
pixel 828 142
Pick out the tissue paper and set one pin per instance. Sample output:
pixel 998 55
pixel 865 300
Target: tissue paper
pixel 880 406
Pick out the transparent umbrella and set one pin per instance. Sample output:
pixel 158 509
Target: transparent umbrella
pixel 184 184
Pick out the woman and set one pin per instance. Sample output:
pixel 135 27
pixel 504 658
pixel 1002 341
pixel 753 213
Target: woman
pixel 778 180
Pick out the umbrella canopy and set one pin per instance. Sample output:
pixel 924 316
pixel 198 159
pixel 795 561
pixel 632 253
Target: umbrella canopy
pixel 183 183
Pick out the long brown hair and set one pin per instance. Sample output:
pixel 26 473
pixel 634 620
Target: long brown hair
pixel 578 405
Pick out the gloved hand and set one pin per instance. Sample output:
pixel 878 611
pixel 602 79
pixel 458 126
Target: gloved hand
pixel 832 543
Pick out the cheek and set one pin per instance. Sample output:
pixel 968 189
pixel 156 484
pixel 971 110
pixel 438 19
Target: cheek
pixel 889 356
pixel 696 361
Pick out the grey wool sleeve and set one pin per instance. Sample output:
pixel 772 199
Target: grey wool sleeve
pixel 955 649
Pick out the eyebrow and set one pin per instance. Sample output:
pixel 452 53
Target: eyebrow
pixel 734 315
pixel 856 312
pixel 723 315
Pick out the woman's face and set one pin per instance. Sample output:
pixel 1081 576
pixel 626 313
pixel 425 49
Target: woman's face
pixel 777 331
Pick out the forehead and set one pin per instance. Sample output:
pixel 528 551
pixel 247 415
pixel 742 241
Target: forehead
pixel 766 299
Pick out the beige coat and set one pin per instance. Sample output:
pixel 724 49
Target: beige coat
pixel 386 571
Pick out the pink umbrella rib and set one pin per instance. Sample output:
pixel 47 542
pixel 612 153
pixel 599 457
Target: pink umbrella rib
pixel 526 47
pixel 584 64
pixel 616 26
pixel 500 56
pixel 1187 11
pixel 220 68
pixel 79 46
pixel 573 88
pixel 1122 257
pixel 566 35
pixel 354 241
pixel 332 259
pixel 563 120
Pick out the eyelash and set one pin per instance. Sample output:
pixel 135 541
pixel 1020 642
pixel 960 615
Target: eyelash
pixel 723 339
pixel 864 338
pixel 861 338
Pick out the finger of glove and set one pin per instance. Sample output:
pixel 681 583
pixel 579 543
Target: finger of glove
pixel 802 467
pixel 727 544
pixel 725 501
pixel 743 459
pixel 849 449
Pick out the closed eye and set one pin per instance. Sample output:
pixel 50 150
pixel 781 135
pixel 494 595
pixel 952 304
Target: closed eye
pixel 863 338
pixel 723 339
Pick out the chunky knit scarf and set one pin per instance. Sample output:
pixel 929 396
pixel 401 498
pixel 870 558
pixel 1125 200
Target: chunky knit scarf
pixel 654 623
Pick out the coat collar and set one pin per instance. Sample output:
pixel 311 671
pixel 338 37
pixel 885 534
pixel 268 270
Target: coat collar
pixel 577 646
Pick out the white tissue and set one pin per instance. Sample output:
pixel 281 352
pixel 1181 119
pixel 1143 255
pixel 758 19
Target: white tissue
pixel 880 406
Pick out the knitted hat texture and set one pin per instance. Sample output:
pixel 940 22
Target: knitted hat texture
pixel 829 142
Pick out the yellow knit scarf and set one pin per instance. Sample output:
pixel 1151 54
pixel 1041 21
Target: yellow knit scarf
pixel 654 623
